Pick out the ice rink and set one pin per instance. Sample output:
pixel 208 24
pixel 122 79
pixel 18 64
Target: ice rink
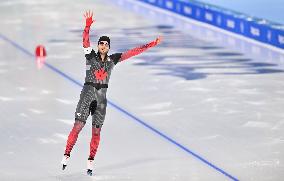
pixel 203 105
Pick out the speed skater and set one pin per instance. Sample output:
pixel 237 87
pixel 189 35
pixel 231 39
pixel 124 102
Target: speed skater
pixel 93 95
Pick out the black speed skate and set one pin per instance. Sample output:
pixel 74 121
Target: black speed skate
pixel 64 161
pixel 89 172
pixel 90 166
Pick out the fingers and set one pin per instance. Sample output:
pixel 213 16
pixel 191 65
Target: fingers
pixel 159 39
pixel 88 14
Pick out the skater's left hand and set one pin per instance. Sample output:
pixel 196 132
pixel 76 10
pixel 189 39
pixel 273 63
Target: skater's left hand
pixel 159 40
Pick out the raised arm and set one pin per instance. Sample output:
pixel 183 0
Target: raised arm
pixel 86 38
pixel 140 49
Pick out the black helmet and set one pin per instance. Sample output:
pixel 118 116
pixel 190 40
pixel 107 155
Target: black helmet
pixel 104 38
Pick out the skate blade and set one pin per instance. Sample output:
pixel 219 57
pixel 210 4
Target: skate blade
pixel 89 172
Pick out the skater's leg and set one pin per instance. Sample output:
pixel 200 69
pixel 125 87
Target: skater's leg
pixel 98 119
pixel 73 135
pixel 94 142
pixel 93 148
pixel 81 115
pixel 72 138
pixel 97 122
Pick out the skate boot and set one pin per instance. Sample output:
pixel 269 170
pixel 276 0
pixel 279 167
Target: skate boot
pixel 90 166
pixel 64 161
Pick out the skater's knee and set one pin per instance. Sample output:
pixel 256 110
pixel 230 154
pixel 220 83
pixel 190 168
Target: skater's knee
pixel 97 126
pixel 79 124
pixel 96 129
pixel 80 121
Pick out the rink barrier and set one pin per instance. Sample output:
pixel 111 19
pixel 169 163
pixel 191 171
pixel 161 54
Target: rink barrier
pixel 253 28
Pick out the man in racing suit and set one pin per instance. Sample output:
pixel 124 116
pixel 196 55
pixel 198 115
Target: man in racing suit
pixel 93 95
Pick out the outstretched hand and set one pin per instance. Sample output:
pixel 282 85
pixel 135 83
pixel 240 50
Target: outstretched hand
pixel 89 18
pixel 159 40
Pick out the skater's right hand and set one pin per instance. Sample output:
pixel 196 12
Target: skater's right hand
pixel 89 18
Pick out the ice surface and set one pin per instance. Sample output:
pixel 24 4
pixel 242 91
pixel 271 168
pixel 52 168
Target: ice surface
pixel 222 101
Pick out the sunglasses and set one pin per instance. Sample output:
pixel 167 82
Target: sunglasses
pixel 103 43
